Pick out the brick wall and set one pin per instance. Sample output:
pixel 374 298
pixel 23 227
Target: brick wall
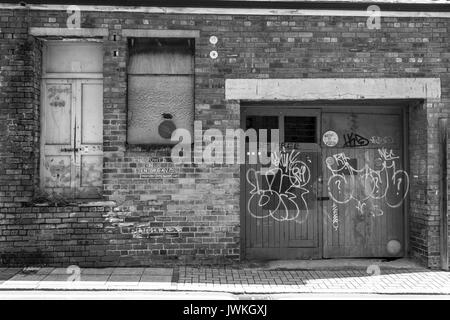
pixel 194 216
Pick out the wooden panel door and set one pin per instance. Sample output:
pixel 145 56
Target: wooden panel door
pixel 367 185
pixel 72 139
pixel 57 172
pixel 89 139
pixel 279 207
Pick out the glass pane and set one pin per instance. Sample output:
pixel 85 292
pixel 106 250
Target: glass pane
pixel 154 100
pixel 74 57
pixel 262 122
pixel 300 129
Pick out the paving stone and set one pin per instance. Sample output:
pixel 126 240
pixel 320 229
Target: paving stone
pixel 60 271
pixel 152 278
pixel 158 271
pixel 101 278
pixel 97 271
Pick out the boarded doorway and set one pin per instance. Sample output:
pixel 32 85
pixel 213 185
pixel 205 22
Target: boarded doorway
pixel 348 201
pixel 72 120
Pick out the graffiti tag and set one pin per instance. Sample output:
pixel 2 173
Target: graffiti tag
pixel 279 191
pixel 366 185
pixel 381 140
pixel 353 140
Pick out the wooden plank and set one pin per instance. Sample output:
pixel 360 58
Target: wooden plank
pixel 89 133
pixel 443 177
pixel 244 223
pixel 57 174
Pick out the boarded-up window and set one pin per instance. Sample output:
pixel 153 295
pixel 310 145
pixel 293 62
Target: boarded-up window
pixel 160 89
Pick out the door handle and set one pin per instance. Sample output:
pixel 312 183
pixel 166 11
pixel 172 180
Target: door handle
pixel 323 198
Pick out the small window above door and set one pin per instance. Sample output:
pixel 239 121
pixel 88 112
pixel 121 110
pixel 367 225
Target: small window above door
pixel 61 58
pixel 300 129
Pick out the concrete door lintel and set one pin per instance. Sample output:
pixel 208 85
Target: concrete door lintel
pixel 332 89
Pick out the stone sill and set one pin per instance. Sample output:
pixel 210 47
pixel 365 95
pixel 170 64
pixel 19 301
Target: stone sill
pixel 79 203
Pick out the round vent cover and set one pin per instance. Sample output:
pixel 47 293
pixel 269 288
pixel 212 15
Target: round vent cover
pixel 166 128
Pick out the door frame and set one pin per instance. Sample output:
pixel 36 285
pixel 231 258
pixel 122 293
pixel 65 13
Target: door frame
pixel 76 77
pixel 400 107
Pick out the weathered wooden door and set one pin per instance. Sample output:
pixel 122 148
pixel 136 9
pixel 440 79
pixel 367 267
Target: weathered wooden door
pixel 366 182
pixel 72 140
pixel 280 209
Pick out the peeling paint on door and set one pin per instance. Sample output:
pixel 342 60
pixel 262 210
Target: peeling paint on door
pixel 57 172
pixel 73 148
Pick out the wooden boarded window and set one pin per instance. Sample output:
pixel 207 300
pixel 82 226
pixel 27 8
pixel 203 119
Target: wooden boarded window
pixel 160 89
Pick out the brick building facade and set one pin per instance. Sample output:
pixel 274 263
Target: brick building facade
pixel 193 212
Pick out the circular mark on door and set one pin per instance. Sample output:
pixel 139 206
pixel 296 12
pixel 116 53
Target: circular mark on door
pixel 330 138
pixel 393 247
pixel 166 128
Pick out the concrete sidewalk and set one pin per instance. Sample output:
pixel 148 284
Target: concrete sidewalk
pixel 269 279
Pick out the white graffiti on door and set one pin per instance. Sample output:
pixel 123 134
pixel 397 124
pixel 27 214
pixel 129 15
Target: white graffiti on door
pixel 335 220
pixel 279 191
pixel 387 184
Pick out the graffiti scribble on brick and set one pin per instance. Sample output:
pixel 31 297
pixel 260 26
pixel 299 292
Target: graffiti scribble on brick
pixel 374 19
pixel 145 231
pixel 74 20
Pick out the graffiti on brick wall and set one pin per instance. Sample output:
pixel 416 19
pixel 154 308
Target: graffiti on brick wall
pixel 279 191
pixel 145 231
pixel 155 168
pixel 368 187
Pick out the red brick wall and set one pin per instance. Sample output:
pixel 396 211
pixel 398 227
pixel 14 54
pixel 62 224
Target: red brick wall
pixel 198 211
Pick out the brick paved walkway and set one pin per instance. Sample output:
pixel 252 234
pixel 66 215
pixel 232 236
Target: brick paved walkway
pixel 346 281
pixel 228 279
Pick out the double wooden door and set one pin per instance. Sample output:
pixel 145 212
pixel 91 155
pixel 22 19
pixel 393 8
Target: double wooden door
pixel 72 137
pixel 336 186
